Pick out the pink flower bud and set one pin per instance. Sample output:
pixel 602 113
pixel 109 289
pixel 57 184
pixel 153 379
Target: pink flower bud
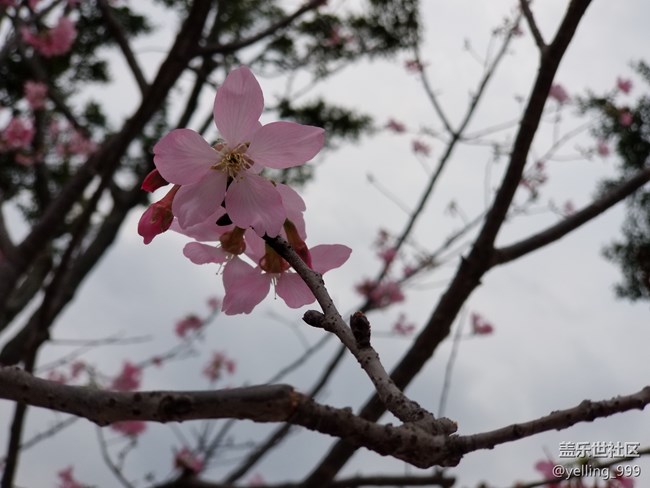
pixel 153 181
pixel 158 217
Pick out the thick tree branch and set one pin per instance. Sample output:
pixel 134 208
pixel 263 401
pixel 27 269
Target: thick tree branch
pixel 470 271
pixel 120 37
pixel 280 403
pixel 572 222
pixel 267 403
pixel 276 437
pixel 395 400
pixel 586 411
pixel 456 137
pixel 534 30
pixel 270 30
pixel 107 159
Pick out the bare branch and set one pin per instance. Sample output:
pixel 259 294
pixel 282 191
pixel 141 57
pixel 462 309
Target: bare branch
pixel 470 271
pixel 572 222
pixel 272 29
pixel 267 403
pixel 119 35
pixel 108 158
pixel 586 411
pixel 537 35
pixel 357 341
pixel 457 136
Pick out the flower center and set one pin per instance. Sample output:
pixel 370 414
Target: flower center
pixel 233 161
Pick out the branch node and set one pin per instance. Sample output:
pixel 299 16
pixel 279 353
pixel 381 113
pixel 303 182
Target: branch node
pixel 360 329
pixel 314 318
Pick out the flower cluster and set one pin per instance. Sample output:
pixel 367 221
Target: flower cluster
pixel 480 326
pixel 220 199
pixel 67 479
pixel 56 41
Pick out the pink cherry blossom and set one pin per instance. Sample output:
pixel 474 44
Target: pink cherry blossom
pixel 246 286
pixel 568 208
pixel 546 468
pixel 228 171
pixel 624 85
pixel 189 323
pixel 413 66
pixel 625 117
pixel 420 147
pixel 36 94
pixel 336 39
pixel 401 327
pixel 128 379
pixel 558 93
pixel 217 365
pixel 53 42
pixel 382 294
pixel 480 326
pixel 57 377
pixel 80 145
pixel 77 368
pixel 17 135
pixel 8 3
pixel 67 480
pixel 388 255
pixel 130 428
pixel 602 148
pixel 622 482
pixel 186 460
pixel 395 126
pixel 214 303
pixel 257 480
pixel 234 241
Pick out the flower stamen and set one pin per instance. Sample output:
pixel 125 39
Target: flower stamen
pixel 233 161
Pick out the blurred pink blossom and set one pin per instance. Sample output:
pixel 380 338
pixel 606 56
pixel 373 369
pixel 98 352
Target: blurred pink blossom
pixel 568 208
pixel 421 147
pixel 66 479
pixel 189 323
pixel 621 482
pixel 401 327
pixel 57 377
pixel 257 480
pixel 602 148
pixel 130 428
pixel 214 303
pixel 380 294
pixel 546 468
pixel 77 368
pixel 186 460
pixel 217 364
pixel 625 117
pixel 395 126
pixel 53 42
pixel 128 379
pixel 558 93
pixel 480 326
pixel 413 66
pixel 624 85
pixel 36 94
pixel 18 134
pixel 388 255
